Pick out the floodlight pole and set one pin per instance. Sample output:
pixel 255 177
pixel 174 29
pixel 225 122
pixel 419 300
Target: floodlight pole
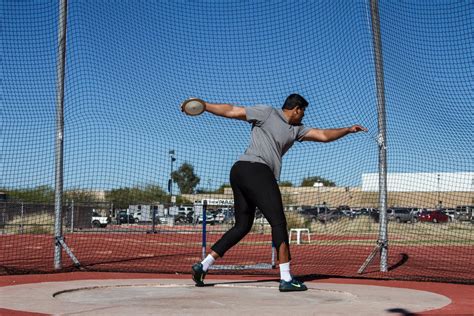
pixel 170 181
pixel 382 243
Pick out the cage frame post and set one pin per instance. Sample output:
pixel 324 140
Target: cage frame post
pixel 382 243
pixel 59 242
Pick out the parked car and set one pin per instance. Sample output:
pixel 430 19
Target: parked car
pixel 99 220
pixel 140 216
pixel 371 212
pixel 124 218
pixel 401 215
pixel 184 217
pixel 185 209
pixel 136 216
pixel 224 215
pixel 451 212
pixel 368 211
pixel 209 219
pixel 415 211
pixel 330 216
pixel 465 213
pixel 347 211
pixel 433 216
pixel 163 219
pixel 313 212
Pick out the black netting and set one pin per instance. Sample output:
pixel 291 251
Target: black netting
pixel 129 65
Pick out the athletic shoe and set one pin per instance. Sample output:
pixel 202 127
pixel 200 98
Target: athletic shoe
pixel 293 285
pixel 198 274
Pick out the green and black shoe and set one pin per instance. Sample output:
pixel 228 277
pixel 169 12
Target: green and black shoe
pixel 292 286
pixel 198 274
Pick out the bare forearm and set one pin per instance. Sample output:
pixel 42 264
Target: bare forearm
pixel 335 133
pixel 226 110
pixel 331 134
pixel 218 108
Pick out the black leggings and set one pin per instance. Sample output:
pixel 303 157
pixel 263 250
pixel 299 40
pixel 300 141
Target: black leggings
pixel 254 185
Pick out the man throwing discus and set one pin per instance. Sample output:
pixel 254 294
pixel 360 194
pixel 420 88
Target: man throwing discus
pixel 254 176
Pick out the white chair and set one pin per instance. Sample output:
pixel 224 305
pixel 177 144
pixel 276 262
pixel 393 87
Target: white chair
pixel 298 232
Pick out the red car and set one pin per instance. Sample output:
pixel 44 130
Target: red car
pixel 433 216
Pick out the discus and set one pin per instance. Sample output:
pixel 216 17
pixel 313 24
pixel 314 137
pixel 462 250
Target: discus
pixel 193 106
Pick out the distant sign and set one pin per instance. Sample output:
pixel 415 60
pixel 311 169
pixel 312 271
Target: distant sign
pixel 218 202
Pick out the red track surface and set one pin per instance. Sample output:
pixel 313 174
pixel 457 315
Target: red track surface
pixel 169 252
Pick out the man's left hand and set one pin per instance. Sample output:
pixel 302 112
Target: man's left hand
pixel 357 128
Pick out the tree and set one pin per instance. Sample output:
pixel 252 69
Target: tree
pixel 78 195
pixel 286 184
pixel 123 197
pixel 219 190
pixel 185 178
pixel 40 194
pixel 309 181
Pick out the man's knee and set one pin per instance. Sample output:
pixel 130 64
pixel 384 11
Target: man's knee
pixel 242 229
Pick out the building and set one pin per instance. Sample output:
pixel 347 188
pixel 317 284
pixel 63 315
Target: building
pixel 421 182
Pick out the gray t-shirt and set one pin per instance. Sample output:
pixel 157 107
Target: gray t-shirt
pixel 271 136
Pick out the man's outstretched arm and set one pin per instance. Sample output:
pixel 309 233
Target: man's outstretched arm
pixel 332 134
pixel 227 110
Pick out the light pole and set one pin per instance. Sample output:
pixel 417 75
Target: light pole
pixel 439 201
pixel 318 185
pixel 170 181
pixel 472 189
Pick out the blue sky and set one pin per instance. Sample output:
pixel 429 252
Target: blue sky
pixel 130 65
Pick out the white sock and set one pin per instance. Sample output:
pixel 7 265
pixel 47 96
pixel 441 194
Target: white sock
pixel 285 272
pixel 206 263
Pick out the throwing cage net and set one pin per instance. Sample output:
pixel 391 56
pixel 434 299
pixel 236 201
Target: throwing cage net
pixel 146 188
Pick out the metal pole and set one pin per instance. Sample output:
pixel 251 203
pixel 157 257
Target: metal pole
pixel 439 203
pixel 72 217
pixel 21 218
pixel 60 66
pixel 204 228
pixel 171 179
pixel 319 197
pixel 170 183
pixel 377 46
pixel 153 222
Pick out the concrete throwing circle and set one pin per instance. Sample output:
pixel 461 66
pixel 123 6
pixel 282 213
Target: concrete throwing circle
pixel 216 296
pixel 181 297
